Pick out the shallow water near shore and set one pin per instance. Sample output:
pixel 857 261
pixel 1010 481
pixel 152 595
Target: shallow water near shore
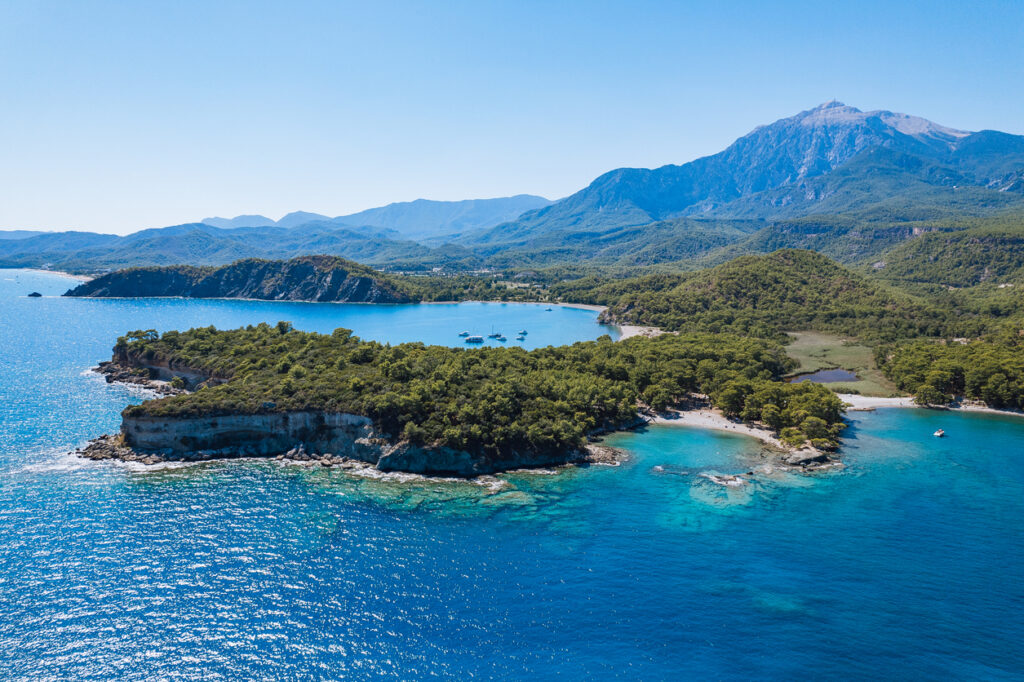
pixel 905 564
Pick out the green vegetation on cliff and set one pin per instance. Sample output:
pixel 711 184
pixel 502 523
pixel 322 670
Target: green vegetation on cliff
pixel 485 401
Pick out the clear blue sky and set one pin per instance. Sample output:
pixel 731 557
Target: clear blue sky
pixel 118 116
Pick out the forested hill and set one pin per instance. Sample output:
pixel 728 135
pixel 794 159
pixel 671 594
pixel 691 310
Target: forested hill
pixel 992 253
pixel 766 295
pixel 310 278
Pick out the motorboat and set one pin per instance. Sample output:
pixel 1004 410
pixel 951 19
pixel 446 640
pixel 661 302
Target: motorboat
pixel 939 434
pixel 522 332
pixel 464 334
pixel 474 339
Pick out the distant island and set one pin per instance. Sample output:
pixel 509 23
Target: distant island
pixel 269 390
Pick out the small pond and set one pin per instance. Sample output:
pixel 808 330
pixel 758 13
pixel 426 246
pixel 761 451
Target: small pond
pixel 826 376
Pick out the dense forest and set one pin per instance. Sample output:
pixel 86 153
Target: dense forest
pixel 486 400
pixel 767 295
pixel 990 370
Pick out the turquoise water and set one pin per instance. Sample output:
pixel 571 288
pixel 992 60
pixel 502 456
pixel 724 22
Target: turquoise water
pixel 905 565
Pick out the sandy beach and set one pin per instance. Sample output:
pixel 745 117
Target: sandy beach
pixel 629 330
pixel 714 419
pixel 80 278
pixel 860 403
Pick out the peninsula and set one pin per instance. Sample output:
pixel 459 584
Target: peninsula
pixel 265 391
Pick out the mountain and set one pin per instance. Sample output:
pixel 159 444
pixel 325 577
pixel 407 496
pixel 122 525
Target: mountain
pixel 201 244
pixel 829 159
pixel 424 219
pixel 19 234
pixel 310 278
pixel 833 179
pixel 420 219
pixel 240 221
pixel 296 218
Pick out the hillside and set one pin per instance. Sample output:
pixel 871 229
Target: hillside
pixel 666 241
pixel 990 253
pixel 766 295
pixel 311 278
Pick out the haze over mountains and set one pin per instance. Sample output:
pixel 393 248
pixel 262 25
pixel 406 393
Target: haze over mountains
pixel 833 178
pixel 419 219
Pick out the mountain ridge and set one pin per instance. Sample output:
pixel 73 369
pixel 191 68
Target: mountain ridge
pixel 810 145
pixel 420 218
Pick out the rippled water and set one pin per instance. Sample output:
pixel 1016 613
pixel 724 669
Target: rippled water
pixel 907 564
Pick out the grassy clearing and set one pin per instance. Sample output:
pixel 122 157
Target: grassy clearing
pixel 814 351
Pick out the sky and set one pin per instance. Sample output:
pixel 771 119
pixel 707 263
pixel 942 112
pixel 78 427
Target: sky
pixel 121 116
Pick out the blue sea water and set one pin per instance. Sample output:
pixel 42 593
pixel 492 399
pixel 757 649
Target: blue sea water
pixel 905 565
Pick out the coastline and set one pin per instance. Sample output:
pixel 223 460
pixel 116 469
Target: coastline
pixel 715 420
pixel 61 273
pixel 861 403
pixel 805 459
pixel 628 331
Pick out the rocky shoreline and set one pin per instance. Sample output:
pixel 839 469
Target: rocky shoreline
pixel 116 373
pixel 345 441
pixel 113 447
pixel 351 443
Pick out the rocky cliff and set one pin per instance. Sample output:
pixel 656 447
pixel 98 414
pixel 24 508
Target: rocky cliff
pixel 332 438
pixel 309 278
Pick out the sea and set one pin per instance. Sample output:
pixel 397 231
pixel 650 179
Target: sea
pixel 907 564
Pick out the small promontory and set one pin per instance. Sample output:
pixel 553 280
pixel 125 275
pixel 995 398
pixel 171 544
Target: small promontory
pixel 309 278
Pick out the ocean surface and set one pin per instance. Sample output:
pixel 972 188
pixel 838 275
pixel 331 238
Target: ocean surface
pixel 906 565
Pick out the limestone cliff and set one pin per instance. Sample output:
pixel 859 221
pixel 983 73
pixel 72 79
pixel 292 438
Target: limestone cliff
pixel 307 434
